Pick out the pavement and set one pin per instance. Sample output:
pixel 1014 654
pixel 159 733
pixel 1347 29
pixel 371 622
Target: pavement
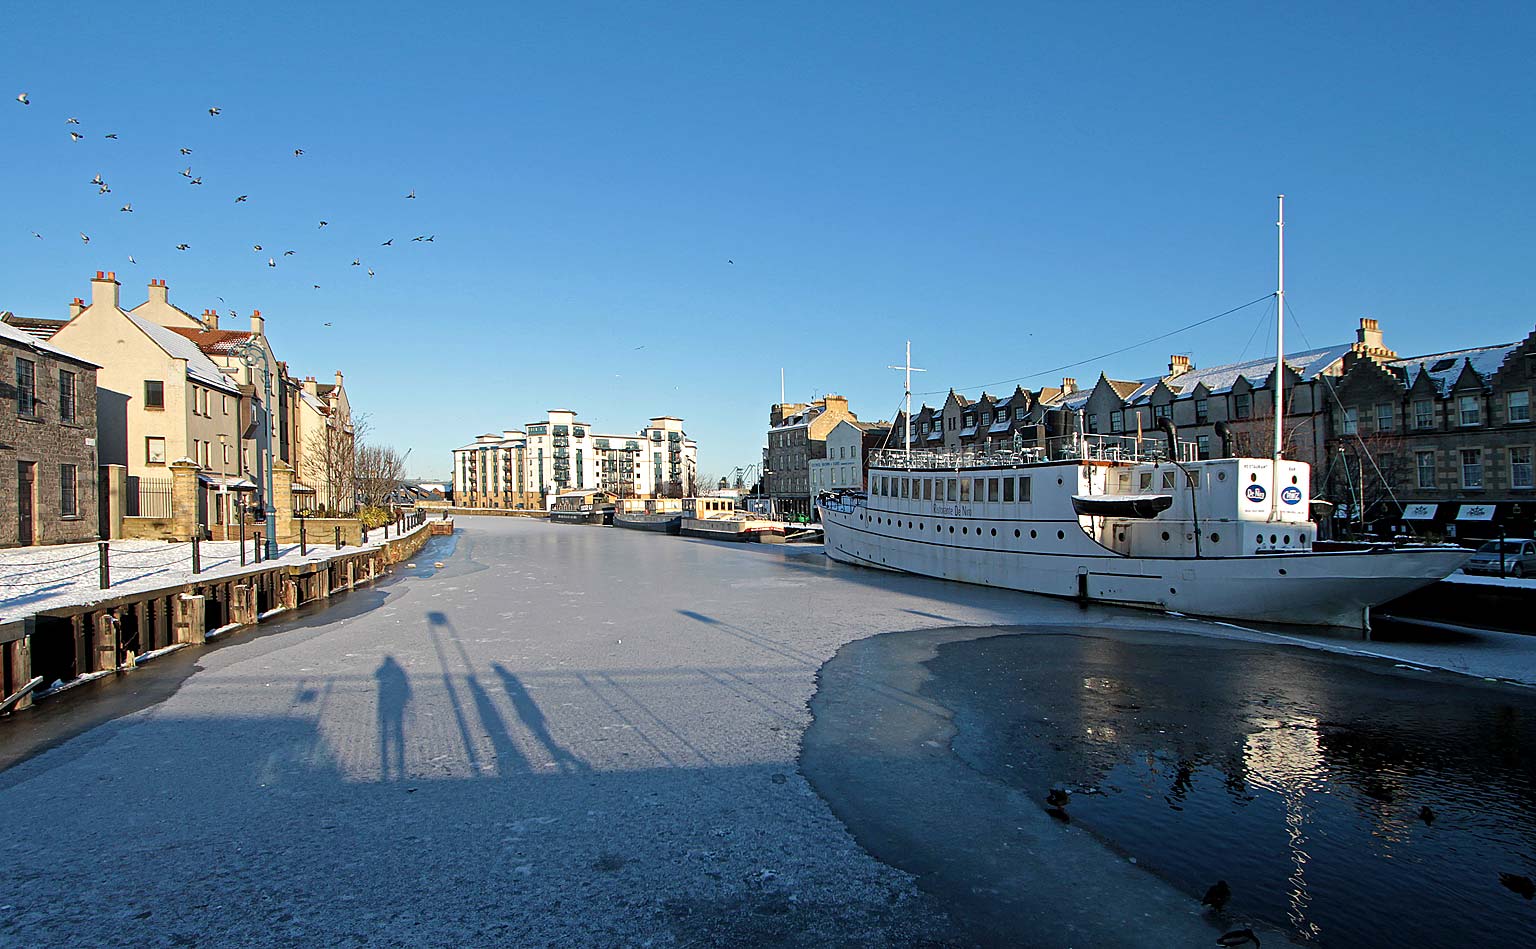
pixel 568 735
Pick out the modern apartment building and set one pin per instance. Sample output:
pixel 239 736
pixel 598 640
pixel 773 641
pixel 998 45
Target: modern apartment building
pixel 47 443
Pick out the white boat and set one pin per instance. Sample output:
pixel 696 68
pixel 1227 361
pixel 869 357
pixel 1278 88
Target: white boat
pixel 1132 521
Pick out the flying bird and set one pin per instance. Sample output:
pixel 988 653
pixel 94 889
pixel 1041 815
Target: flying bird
pixel 215 110
pixel 232 313
pixel 131 260
pixel 71 121
pixel 110 135
pixel 432 238
pixel 127 207
pixel 370 271
pixel 97 180
pixel 256 248
pixel 1218 896
pixel 412 194
pixel 317 286
pixel 196 181
pixel 37 235
pixel 640 347
pixel 75 136
pixel 730 261
pixel 419 237
pixel 241 199
pixel 186 151
pixel 103 190
pixel 1237 937
pixel 324 223
pixel 23 99
pixel 271 261
pixel 357 261
pixel 388 242
pixel 287 253
pixel 84 239
pixel 182 246
pixel 186 172
pixel 297 152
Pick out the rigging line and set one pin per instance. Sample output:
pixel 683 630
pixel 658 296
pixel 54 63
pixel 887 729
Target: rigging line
pixel 1123 349
pixel 1365 450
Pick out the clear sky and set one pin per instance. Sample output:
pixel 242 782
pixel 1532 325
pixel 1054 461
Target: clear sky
pixel 737 188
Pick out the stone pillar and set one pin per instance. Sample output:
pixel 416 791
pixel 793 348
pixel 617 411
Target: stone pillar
pixel 115 501
pixel 184 488
pixel 189 619
pixel 282 500
pixel 106 628
pixel 15 640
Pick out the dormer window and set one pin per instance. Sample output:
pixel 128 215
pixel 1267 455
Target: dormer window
pixel 1469 410
pixel 986 418
pixel 1242 405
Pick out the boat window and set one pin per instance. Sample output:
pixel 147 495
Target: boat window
pixel 1146 481
pixel 981 490
pixel 951 489
pixel 927 490
pixel 905 486
pixel 1167 481
pixel 992 490
pixel 1007 489
pixel 1024 488
pixel 885 486
pixel 965 489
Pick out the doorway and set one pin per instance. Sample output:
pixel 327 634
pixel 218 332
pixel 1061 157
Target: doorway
pixel 26 501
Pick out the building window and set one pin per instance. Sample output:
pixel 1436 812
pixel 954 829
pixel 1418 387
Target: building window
pixel 1161 411
pixel 154 450
pixel 970 419
pixel 66 396
pixel 1093 423
pixel 1423 414
pixel 26 388
pixel 1519 406
pixel 1203 443
pixel 986 418
pixel 1117 421
pixel 154 394
pixel 1351 423
pixel 1020 415
pixel 1469 410
pixel 225 400
pixel 1520 468
pixel 1202 411
pixel 1384 419
pixel 1242 405
pixel 951 423
pixel 1424 461
pixel 69 491
pixel 1472 468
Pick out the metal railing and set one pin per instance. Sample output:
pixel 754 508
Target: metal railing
pixel 149 497
pixel 1113 448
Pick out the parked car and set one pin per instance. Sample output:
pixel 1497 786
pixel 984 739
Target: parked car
pixel 1519 555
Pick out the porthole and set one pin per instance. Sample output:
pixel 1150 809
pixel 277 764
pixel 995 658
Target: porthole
pixel 1032 535
pixel 1061 535
pixel 1059 481
pixel 1273 539
pixel 951 528
pixel 1215 537
pixel 1221 476
pixel 994 532
pixel 1302 538
pixel 1293 479
pixel 920 525
pixel 1173 591
pixel 1015 533
pixel 1165 535
pixel 1282 571
pixel 965 530
pixel 1287 538
pixel 1120 537
pixel 1254 476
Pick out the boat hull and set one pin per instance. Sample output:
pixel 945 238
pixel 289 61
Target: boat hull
pixel 659 523
pixel 733 530
pixel 1302 587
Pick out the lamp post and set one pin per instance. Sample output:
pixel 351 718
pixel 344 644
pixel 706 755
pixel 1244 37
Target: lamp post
pixel 250 354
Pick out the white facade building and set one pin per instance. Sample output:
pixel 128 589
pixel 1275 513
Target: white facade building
pixel 847 448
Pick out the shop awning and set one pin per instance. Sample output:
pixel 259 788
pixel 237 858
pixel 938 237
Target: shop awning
pixel 1419 512
pixel 1475 512
pixel 227 482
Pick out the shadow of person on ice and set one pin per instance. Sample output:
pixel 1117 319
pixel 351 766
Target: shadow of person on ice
pixel 394 694
pixel 533 719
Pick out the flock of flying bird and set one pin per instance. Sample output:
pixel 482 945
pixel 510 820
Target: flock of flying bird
pixel 104 188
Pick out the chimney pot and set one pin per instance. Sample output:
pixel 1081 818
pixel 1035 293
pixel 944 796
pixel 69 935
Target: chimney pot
pixel 100 275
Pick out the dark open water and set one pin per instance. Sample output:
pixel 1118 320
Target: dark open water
pixel 1298 777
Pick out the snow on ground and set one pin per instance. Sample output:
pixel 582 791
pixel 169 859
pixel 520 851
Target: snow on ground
pixel 44 578
pixel 1528 583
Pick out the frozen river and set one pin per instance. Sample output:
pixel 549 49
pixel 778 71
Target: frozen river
pixel 567 735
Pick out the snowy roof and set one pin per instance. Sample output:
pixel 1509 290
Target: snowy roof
pixel 314 402
pixel 22 338
pixel 968 431
pixel 1001 425
pixel 1308 365
pixel 199 367
pixel 41 328
pixel 1444 369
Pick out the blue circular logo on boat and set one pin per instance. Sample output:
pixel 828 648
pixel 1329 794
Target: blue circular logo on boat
pixel 1291 495
pixel 1255 492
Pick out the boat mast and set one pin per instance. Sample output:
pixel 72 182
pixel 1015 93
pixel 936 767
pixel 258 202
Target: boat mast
pixel 1274 494
pixel 908 367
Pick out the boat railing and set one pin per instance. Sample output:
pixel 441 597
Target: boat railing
pixel 1113 448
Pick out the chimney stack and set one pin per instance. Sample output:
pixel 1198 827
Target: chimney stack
pixel 1369 341
pixel 338 378
pixel 104 289
pixel 1068 385
pixel 211 318
pixel 311 386
pixel 1178 365
pixel 75 306
pixel 157 292
pixel 258 325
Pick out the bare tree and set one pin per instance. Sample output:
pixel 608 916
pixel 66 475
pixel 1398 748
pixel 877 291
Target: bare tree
pixel 378 471
pixel 329 466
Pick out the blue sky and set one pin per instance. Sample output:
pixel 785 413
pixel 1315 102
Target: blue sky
pixel 738 188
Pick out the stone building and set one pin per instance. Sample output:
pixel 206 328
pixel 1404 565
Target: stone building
pixel 48 452
pixel 1439 444
pixel 797 435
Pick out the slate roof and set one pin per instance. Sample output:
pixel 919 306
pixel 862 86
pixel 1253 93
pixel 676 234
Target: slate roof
pixel 20 337
pixel 36 326
pixel 199 367
pixel 213 342
pixel 1444 369
pixel 1218 379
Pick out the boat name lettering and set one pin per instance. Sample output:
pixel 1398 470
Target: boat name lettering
pixel 952 510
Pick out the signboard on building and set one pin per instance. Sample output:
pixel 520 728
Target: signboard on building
pixel 1419 512
pixel 1475 512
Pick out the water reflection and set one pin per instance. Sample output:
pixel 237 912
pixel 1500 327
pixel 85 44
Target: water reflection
pixel 1299 777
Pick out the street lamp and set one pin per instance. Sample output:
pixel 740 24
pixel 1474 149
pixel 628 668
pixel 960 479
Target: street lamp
pixel 250 354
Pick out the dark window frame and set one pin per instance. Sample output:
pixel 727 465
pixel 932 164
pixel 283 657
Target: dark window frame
pixel 157 400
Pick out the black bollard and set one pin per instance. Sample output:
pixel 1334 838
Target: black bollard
pixel 241 505
pixel 197 553
pixel 303 539
pixel 106 571
pixel 338 536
